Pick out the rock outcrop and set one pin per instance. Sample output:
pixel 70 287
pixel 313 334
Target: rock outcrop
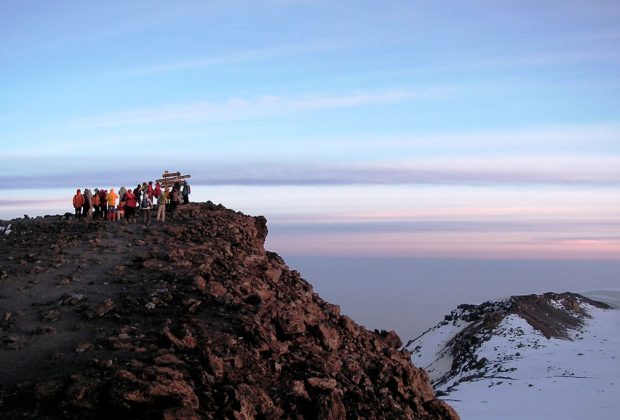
pixel 188 319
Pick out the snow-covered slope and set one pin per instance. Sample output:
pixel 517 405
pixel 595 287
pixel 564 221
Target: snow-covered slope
pixel 552 356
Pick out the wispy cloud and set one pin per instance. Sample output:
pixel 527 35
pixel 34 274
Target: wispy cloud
pixel 463 224
pixel 480 171
pixel 582 140
pixel 541 170
pixel 601 36
pixel 25 203
pixel 494 245
pixel 453 237
pixel 240 108
pixel 579 8
pixel 238 57
pixel 516 140
pixel 536 59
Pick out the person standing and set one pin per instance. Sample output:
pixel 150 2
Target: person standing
pixel 95 203
pixel 187 190
pixel 175 197
pixel 103 204
pixel 121 193
pixel 87 208
pixel 146 206
pixel 150 191
pixel 161 206
pixel 111 198
pixel 78 203
pixel 121 210
pixel 130 206
pixel 138 193
pixel 157 191
pixel 144 188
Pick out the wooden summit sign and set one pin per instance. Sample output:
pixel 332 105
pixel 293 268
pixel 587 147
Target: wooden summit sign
pixel 168 179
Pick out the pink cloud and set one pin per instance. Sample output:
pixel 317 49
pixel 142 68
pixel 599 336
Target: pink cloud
pixel 445 245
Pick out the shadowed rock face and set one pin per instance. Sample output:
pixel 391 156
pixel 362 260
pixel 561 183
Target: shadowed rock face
pixel 191 319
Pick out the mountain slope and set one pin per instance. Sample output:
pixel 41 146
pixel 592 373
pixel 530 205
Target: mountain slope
pixel 190 319
pixel 546 357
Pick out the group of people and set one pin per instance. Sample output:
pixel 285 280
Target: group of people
pixel 101 204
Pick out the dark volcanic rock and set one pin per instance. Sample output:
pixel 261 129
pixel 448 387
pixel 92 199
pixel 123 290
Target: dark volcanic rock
pixel 188 319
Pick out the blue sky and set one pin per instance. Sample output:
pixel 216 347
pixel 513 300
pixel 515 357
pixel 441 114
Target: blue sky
pixel 453 129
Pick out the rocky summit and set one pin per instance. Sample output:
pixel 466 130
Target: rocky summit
pixel 189 319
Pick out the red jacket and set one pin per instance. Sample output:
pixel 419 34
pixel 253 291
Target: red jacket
pixel 130 199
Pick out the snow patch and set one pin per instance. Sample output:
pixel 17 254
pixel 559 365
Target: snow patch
pixel 5 229
pixel 431 350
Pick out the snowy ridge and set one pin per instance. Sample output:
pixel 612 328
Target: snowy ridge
pixel 528 357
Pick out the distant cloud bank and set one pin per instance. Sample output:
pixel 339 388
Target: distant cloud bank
pixel 604 172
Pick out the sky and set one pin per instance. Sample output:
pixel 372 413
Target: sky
pixel 406 129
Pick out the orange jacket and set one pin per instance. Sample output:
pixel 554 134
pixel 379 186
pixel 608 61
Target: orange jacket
pixel 112 197
pixel 78 200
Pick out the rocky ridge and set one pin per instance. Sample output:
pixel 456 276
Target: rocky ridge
pixel 188 319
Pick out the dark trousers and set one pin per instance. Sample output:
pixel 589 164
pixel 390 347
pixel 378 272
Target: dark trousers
pixel 78 212
pixel 130 214
pixel 147 216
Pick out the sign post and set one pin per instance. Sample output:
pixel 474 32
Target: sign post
pixel 168 179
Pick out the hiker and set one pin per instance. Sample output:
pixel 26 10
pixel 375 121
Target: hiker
pixel 122 196
pixel 175 197
pixel 138 193
pixel 87 208
pixel 157 191
pixel 95 203
pixel 146 206
pixel 130 206
pixel 161 205
pixel 78 202
pixel 150 191
pixel 121 193
pixel 120 210
pixel 111 198
pixel 143 189
pixel 187 190
pixel 103 204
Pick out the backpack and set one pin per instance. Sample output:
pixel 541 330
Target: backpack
pixel 145 203
pixel 186 189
